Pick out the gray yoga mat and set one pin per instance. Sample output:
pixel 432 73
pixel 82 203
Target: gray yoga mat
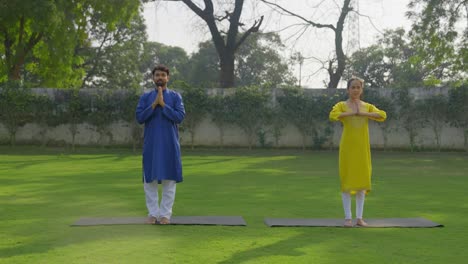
pixel 330 222
pixel 176 220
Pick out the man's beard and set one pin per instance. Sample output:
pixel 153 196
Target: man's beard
pixel 160 83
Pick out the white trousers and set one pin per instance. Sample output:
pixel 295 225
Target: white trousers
pixel 167 200
pixel 360 196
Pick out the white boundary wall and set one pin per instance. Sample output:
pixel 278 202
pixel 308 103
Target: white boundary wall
pixel 207 134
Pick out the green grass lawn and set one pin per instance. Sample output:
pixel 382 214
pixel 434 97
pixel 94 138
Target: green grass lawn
pixel 42 192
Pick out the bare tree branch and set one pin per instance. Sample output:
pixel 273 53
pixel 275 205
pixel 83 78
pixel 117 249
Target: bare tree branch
pixel 227 45
pixel 290 26
pixel 197 10
pixel 319 4
pixel 370 20
pixel 303 29
pixel 254 28
pixel 315 72
pixel 336 4
pixel 335 73
pixel 317 25
pixel 464 3
pixel 220 18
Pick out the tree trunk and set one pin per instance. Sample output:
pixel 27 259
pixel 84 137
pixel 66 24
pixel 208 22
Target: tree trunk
pixel 336 75
pixel 277 135
pixel 16 51
pixel 73 130
pixel 15 72
pixel 43 132
pixel 304 139
pixel 221 137
pixel 73 142
pixel 12 129
pixel 227 70
pixel 192 136
pixel 250 137
pixel 412 137
pixel 136 135
pixel 437 133
pixel 226 44
pixel 465 137
pixel 334 81
pixel 385 131
pixel 13 139
pixel 385 140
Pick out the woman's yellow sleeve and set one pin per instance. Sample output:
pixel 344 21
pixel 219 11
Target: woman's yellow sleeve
pixel 336 112
pixel 373 109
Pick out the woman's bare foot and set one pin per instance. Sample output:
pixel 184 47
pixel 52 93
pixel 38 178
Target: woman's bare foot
pixel 361 222
pixel 151 220
pixel 348 223
pixel 164 221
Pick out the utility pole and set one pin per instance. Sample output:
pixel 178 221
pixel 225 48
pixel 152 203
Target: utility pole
pixel 297 56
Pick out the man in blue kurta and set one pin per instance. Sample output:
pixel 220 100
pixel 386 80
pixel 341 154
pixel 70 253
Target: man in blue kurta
pixel 161 110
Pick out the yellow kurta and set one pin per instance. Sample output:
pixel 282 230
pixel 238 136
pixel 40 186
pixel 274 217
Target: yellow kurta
pixel 355 157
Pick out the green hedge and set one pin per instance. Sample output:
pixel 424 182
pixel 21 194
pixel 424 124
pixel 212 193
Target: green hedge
pixel 252 109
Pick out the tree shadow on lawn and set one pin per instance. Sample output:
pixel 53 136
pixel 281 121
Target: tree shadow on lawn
pixel 286 247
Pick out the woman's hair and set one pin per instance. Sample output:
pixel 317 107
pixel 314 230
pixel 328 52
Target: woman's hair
pixel 162 68
pixel 355 79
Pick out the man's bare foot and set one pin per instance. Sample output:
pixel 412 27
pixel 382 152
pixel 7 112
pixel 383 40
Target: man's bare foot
pixel 361 222
pixel 164 221
pixel 348 223
pixel 151 220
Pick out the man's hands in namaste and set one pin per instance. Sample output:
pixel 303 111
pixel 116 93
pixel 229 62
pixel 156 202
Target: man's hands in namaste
pixel 159 99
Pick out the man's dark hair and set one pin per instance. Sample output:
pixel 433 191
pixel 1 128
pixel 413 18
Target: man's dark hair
pixel 162 68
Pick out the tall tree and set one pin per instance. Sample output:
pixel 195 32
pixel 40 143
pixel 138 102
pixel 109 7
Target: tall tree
pixel 226 43
pixel 369 64
pixel 126 102
pixel 301 111
pixel 222 114
pixel 435 109
pixel 388 103
pixel 388 63
pixel 408 112
pixel 436 36
pixel 337 65
pixel 50 31
pixel 15 109
pixel 173 57
pixel 204 70
pixel 114 63
pixel 258 63
pixel 458 107
pixel 196 107
pixel 250 112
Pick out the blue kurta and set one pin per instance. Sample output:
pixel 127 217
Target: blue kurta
pixel 161 148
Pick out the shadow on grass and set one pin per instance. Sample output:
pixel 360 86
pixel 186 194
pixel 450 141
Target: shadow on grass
pixel 24 164
pixel 205 162
pixel 286 247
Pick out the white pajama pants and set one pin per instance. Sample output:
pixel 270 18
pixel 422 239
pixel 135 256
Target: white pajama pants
pixel 346 197
pixel 167 200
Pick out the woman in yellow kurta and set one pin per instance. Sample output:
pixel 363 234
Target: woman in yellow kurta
pixel 355 158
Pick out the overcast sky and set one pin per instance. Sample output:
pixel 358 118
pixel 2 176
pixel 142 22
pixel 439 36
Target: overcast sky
pixel 172 23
